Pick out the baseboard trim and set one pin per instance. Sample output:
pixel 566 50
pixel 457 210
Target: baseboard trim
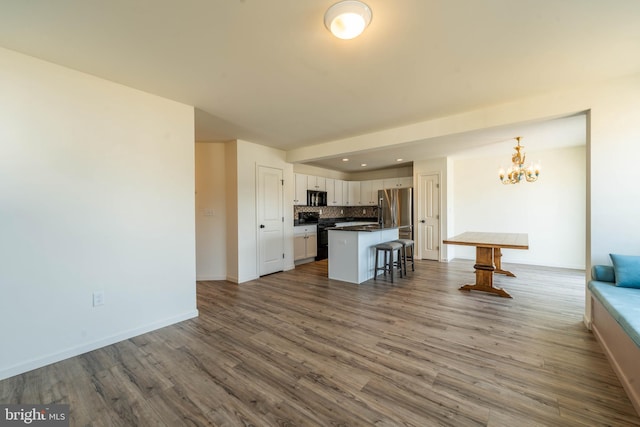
pixel 205 278
pixel 587 322
pixel 40 362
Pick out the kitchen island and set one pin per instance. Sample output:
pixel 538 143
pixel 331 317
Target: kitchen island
pixel 352 253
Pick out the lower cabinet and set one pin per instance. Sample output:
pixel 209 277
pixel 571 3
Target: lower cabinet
pixel 305 242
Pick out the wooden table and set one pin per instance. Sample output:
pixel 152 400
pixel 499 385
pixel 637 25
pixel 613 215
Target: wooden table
pixel 488 256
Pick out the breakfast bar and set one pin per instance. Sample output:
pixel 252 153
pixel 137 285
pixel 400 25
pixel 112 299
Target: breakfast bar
pixel 352 253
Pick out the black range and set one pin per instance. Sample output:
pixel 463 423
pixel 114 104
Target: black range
pixel 323 236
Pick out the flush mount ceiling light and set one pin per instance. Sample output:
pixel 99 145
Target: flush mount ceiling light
pixel 347 19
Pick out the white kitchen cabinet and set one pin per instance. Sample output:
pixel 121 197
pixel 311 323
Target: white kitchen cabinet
pixel 339 193
pixel 334 192
pixel 403 182
pixel 300 193
pixel 369 192
pixel 365 192
pixel 305 242
pixel 316 183
pixel 354 194
pixel 345 193
pixel 312 245
pixel 376 184
pixel 299 247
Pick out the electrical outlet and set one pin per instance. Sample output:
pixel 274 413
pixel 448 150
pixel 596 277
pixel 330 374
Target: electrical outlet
pixel 98 298
pixel 341 211
pixel 320 212
pixel 364 211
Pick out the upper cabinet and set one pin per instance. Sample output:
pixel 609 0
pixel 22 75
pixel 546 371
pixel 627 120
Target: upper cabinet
pixel 345 193
pixel 404 182
pixel 376 184
pixel 353 198
pixel 369 192
pixel 316 183
pixel 334 192
pixel 300 194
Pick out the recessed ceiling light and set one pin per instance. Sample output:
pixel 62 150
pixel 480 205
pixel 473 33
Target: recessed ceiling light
pixel 363 164
pixel 399 160
pixel 345 160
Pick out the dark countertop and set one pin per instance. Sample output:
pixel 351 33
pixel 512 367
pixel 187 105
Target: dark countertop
pixel 372 227
pixel 297 222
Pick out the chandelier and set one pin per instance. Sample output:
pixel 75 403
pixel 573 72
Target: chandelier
pixel 517 171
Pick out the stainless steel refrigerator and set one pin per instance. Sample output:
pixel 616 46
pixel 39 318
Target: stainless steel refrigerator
pixel 395 209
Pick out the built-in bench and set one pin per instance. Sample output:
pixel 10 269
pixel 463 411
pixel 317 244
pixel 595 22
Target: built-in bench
pixel 615 321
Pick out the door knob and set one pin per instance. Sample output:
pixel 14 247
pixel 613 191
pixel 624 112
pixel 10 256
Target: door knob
pixel 261 225
pixel 423 221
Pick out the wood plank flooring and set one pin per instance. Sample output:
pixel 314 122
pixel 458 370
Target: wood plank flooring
pixel 298 349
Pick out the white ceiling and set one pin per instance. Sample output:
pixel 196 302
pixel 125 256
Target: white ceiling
pixel 269 72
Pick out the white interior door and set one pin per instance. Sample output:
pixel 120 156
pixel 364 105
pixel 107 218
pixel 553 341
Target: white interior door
pixel 429 217
pixel 270 220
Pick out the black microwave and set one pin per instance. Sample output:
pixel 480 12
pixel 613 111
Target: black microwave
pixel 316 198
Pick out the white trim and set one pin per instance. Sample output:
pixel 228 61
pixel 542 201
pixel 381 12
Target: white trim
pixel 204 278
pixel 94 345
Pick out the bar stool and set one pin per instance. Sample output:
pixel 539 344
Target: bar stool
pixel 388 249
pixel 407 243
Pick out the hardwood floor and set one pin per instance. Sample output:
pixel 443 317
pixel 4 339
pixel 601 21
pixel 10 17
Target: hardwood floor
pixel 295 348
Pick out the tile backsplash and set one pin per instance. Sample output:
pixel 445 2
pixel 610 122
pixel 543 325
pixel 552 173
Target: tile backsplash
pixel 339 211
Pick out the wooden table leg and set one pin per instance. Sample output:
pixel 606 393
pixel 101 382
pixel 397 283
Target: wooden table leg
pixel 497 255
pixel 484 274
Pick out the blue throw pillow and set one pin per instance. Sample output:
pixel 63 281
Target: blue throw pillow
pixel 627 270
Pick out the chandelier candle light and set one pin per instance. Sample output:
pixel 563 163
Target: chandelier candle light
pixel 517 171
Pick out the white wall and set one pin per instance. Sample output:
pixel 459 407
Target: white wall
pixel 211 216
pixel 316 171
pixel 615 150
pixel 551 211
pixel 353 176
pixel 381 174
pixel 232 189
pixel 96 193
pixel 248 157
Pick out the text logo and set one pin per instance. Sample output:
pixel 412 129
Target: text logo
pixel 34 415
